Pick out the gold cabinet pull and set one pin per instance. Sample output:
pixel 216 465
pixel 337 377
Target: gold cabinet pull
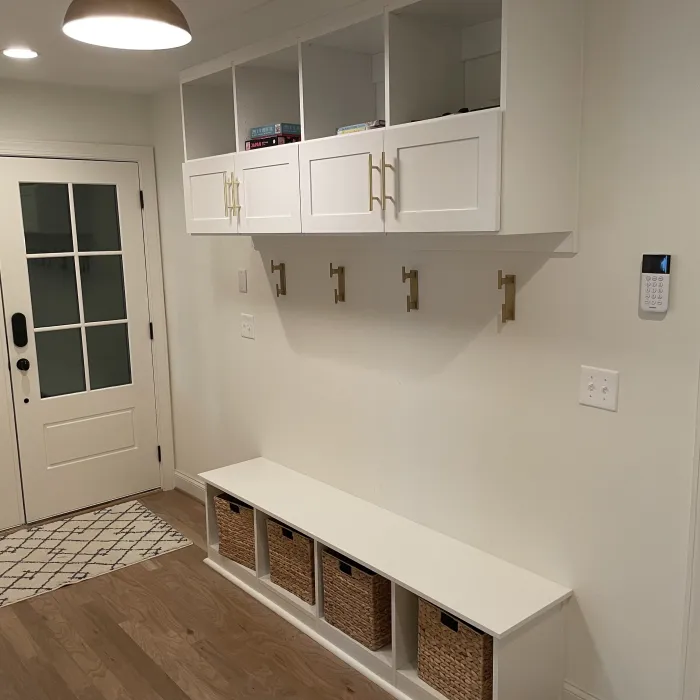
pixel 235 186
pixel 282 269
pixel 340 292
pixel 227 192
pixel 385 165
pixel 412 298
pixel 508 308
pixel 372 198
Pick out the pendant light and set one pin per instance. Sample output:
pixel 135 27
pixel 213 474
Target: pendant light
pixel 139 25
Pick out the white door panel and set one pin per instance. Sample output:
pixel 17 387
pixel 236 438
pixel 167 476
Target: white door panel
pixel 444 174
pixel 73 263
pixel 340 191
pixel 209 196
pixel 267 182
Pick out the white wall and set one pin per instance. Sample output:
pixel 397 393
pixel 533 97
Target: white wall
pixel 35 112
pixel 469 428
pixel 39 112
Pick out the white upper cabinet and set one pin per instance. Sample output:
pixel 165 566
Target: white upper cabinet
pixel 209 195
pixel 341 184
pixel 444 174
pixel 481 101
pixel 267 190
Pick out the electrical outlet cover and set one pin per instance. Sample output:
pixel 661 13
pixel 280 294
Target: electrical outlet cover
pixel 248 326
pixel 599 388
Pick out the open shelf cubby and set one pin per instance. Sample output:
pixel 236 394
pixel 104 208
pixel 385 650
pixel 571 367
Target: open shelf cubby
pixel 343 78
pixel 444 55
pixel 267 92
pixel 520 610
pixel 208 115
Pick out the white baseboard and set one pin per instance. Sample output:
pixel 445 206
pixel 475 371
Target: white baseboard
pixel 571 692
pixel 190 485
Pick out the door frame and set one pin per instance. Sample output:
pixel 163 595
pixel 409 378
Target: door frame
pixel 143 156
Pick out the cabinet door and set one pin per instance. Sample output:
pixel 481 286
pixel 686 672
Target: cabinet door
pixel 444 175
pixel 338 184
pixel 208 196
pixel 268 190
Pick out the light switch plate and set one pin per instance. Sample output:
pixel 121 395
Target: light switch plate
pixel 248 326
pixel 599 388
pixel 243 281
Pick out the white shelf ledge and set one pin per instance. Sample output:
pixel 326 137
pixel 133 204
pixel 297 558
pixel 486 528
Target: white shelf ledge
pixel 487 592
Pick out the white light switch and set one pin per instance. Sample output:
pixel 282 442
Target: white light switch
pixel 243 281
pixel 248 326
pixel 599 388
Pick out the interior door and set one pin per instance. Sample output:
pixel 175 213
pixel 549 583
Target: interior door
pixel 444 175
pixel 73 272
pixel 267 190
pixel 341 184
pixel 208 185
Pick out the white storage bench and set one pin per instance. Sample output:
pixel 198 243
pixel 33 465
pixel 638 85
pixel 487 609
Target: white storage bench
pixel 523 612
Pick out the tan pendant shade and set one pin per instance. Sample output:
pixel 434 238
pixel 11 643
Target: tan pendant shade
pixel 127 24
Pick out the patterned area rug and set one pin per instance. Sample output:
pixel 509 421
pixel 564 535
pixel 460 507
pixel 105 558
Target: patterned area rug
pixel 44 558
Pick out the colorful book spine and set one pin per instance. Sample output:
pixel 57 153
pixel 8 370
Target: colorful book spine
pixel 266 142
pixel 363 126
pixel 283 129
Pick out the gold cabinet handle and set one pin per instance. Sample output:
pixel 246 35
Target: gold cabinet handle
pixel 385 165
pixel 412 298
pixel 227 190
pixel 235 186
pixel 372 198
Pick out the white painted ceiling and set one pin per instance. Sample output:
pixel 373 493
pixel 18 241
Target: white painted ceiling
pixel 218 26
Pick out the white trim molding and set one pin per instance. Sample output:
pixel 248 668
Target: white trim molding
pixel 143 157
pixel 190 485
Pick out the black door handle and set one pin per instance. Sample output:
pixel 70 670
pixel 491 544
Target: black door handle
pixel 19 330
pixel 23 365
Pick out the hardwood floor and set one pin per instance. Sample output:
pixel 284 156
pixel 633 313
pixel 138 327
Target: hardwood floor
pixel 166 629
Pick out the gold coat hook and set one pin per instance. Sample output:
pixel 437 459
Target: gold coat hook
pixel 412 298
pixel 508 308
pixel 340 292
pixel 282 269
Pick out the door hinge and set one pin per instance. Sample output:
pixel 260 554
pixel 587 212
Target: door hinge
pixel 160 455
pixel 150 330
pixel 143 206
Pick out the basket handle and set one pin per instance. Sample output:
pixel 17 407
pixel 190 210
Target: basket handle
pixel 286 532
pixel 234 507
pixel 345 568
pixel 449 621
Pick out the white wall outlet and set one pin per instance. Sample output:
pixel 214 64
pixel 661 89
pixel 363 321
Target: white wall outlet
pixel 248 326
pixel 243 281
pixel 599 388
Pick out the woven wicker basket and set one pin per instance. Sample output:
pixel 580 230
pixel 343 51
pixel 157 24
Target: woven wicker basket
pixel 291 561
pixel 453 657
pixel 356 601
pixel 236 530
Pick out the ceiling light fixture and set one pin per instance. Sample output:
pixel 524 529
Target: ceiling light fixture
pixel 138 25
pixel 21 53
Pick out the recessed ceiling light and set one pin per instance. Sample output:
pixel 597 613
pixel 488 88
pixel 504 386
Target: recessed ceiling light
pixel 139 25
pixel 21 53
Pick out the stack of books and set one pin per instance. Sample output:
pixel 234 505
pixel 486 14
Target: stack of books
pixel 273 135
pixel 362 126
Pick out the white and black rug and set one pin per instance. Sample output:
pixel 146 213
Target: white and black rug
pixel 44 558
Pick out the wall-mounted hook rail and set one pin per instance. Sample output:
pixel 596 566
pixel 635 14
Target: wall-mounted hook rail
pixel 340 273
pixel 412 298
pixel 282 269
pixel 508 308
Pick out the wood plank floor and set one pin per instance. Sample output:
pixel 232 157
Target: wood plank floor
pixel 166 629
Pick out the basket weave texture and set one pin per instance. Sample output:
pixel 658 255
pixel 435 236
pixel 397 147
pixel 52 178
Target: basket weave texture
pixel 236 530
pixel 291 561
pixel 457 662
pixel 356 601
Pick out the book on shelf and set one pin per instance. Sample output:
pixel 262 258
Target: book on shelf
pixel 362 126
pixel 267 141
pixel 281 129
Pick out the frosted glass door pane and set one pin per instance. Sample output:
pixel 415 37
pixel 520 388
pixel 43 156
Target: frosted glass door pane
pixel 102 279
pixel 96 217
pixel 59 357
pixel 46 217
pixel 54 292
pixel 108 356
